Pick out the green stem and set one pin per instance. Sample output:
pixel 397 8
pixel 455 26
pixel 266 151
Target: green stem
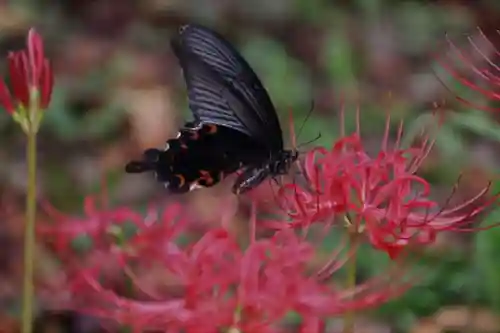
pixel 29 236
pixel 349 317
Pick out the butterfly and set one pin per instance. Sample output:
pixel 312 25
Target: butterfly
pixel 235 123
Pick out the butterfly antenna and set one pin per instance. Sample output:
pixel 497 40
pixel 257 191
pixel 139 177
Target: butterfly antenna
pixel 311 141
pixel 311 109
pixel 303 124
pixel 294 137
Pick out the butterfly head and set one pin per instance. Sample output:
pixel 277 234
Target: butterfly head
pixel 281 163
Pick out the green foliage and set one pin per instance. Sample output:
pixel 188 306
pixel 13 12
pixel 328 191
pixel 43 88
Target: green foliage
pixel 487 265
pixel 453 139
pixel 286 79
pixel 82 244
pixel 445 281
pixel 313 11
pixel 340 60
pixel 93 124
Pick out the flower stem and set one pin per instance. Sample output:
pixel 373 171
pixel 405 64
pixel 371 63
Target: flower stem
pixel 349 317
pixel 29 236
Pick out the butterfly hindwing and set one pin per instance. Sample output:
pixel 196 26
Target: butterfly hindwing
pixel 197 157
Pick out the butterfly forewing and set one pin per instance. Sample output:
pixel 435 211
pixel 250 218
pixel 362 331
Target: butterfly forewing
pixel 257 116
pixel 211 98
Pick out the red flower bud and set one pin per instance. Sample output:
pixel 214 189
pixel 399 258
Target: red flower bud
pixel 28 70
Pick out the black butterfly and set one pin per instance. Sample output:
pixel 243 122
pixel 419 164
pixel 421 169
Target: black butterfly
pixel 235 123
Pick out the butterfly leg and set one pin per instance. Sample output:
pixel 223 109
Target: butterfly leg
pixel 193 125
pixel 276 181
pixel 249 179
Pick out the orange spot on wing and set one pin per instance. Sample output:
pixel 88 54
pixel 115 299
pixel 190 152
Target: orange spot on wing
pixel 195 135
pixel 182 180
pixel 212 129
pixel 205 175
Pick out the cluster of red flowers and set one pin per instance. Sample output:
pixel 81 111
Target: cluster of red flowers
pixel 253 289
pixel 213 282
pixel 381 196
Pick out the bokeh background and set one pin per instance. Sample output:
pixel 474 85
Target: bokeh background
pixel 119 90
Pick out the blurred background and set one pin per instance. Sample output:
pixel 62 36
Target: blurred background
pixel 119 91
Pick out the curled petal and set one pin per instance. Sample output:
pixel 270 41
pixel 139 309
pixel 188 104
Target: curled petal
pixel 46 84
pixel 18 70
pixel 487 77
pixel 36 56
pixel 6 98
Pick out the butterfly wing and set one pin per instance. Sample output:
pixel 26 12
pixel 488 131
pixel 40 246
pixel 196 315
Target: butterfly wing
pixel 248 107
pixel 211 98
pixel 196 157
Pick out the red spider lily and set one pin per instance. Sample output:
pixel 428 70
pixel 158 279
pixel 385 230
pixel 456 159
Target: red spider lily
pixel 64 229
pixel 480 61
pixel 29 72
pixel 312 325
pixel 380 196
pixel 219 285
pixel 225 287
pixel 101 226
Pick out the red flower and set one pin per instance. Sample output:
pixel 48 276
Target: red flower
pixel 29 72
pixel 156 230
pixel 217 284
pixel 62 229
pixel 379 196
pixel 480 63
pixel 224 287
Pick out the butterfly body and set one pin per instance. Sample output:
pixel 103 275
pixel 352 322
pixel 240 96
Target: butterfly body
pixel 235 126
